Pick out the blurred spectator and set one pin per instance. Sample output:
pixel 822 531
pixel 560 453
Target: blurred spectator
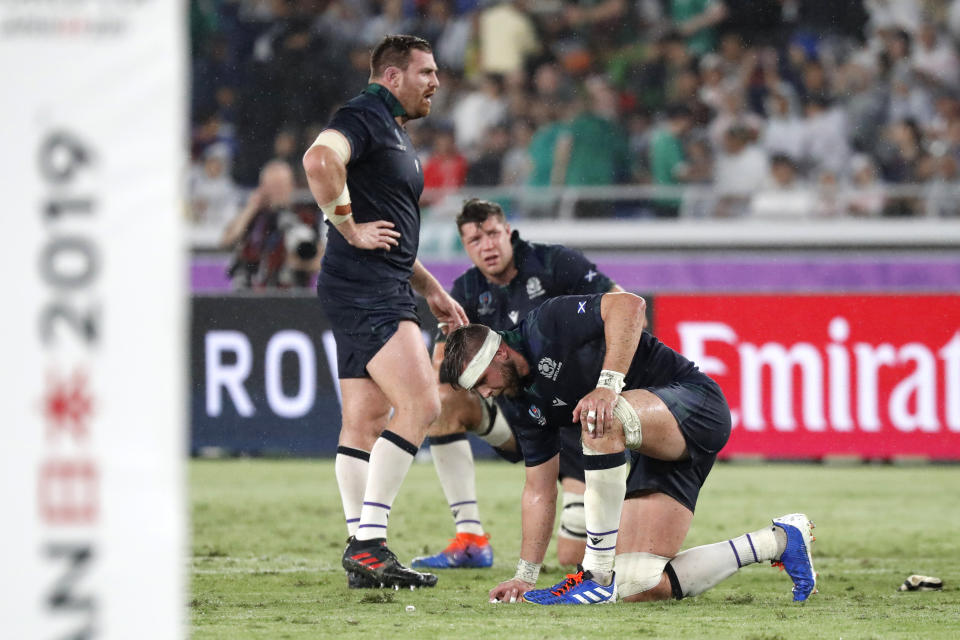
pixel 784 194
pixel 785 132
pixel 214 198
pixel 286 147
pixel 446 168
pixel 274 246
pixel 487 169
pixel 866 196
pixel 935 57
pixel 825 132
pixel 477 111
pixel 507 37
pixel 391 20
pixel 697 20
pixel 516 161
pixel 667 165
pixel 739 171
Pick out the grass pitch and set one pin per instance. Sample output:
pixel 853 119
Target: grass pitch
pixel 268 536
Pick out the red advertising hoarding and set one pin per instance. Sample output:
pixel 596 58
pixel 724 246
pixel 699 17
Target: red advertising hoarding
pixel 876 376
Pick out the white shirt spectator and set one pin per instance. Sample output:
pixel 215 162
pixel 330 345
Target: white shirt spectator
pixel 825 134
pixel 214 198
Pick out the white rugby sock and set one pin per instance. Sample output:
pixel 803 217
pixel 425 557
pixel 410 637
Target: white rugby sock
pixel 606 478
pixel 453 459
pixel 702 568
pixel 350 467
pixel 390 459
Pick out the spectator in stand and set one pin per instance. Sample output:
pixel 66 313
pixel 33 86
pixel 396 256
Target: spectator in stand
pixel 477 111
pixel 516 161
pixel 286 147
pixel 825 131
pixel 935 57
pixel 783 195
pixel 909 99
pixel 213 197
pixel 487 169
pixel 667 165
pixel 697 20
pixel 274 247
pixel 445 170
pixel 784 133
pixel 739 171
pixel 866 197
pixel 391 20
pixel 506 37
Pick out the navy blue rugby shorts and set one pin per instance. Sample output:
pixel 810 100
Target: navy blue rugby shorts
pixel 704 418
pixel 571 454
pixel 364 319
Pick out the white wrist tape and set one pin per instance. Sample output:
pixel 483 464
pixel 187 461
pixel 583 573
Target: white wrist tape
pixel 480 361
pixel 527 571
pixel 612 380
pixel 330 209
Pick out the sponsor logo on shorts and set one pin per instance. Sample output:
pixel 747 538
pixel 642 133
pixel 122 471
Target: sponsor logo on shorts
pixel 514 316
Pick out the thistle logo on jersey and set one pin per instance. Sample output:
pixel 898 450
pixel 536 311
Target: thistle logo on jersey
pixel 549 368
pixel 537 415
pixel 486 303
pixel 534 288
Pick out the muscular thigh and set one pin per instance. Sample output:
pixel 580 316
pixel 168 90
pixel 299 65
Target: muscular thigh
pixel 402 370
pixel 662 438
pixel 653 523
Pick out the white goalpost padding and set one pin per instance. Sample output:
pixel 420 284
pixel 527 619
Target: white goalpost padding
pixel 94 330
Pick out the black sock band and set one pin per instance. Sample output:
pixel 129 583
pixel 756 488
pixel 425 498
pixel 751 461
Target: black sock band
pixel 603 461
pixel 674 582
pixel 447 439
pixel 401 442
pixel 354 453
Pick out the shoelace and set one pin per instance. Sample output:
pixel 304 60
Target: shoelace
pixel 573 579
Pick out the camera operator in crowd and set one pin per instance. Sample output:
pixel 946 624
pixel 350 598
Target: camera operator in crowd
pixel 275 246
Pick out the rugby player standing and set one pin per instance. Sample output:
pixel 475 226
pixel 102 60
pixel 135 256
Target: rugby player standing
pixel 625 390
pixel 365 175
pixel 510 277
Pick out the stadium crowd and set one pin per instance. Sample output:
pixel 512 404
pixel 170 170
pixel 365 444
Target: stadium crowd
pixel 772 107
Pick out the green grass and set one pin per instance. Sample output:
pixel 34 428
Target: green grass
pixel 268 535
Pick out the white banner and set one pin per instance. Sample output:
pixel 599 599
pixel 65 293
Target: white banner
pixel 93 339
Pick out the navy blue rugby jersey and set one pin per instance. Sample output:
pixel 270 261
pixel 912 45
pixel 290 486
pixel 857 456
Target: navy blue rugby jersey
pixel 385 181
pixel 563 342
pixel 544 271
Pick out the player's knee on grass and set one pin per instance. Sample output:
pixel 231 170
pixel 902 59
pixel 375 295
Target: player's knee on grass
pixel 494 428
pixel 640 577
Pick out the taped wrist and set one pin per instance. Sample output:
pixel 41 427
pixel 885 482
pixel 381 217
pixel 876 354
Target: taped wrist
pixel 338 209
pixel 527 571
pixel 612 380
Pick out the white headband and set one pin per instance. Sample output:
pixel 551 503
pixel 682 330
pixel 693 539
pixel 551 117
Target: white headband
pixel 480 361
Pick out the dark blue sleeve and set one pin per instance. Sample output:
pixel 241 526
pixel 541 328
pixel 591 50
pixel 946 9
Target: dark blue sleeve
pixel 566 321
pixel 577 275
pixel 350 122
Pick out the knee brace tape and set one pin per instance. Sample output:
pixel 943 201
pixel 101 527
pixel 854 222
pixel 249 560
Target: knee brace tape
pixel 497 429
pixel 573 519
pixel 638 572
pixel 627 415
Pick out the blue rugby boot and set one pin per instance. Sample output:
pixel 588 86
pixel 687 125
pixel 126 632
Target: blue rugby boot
pixel 796 558
pixel 576 588
pixel 466 551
